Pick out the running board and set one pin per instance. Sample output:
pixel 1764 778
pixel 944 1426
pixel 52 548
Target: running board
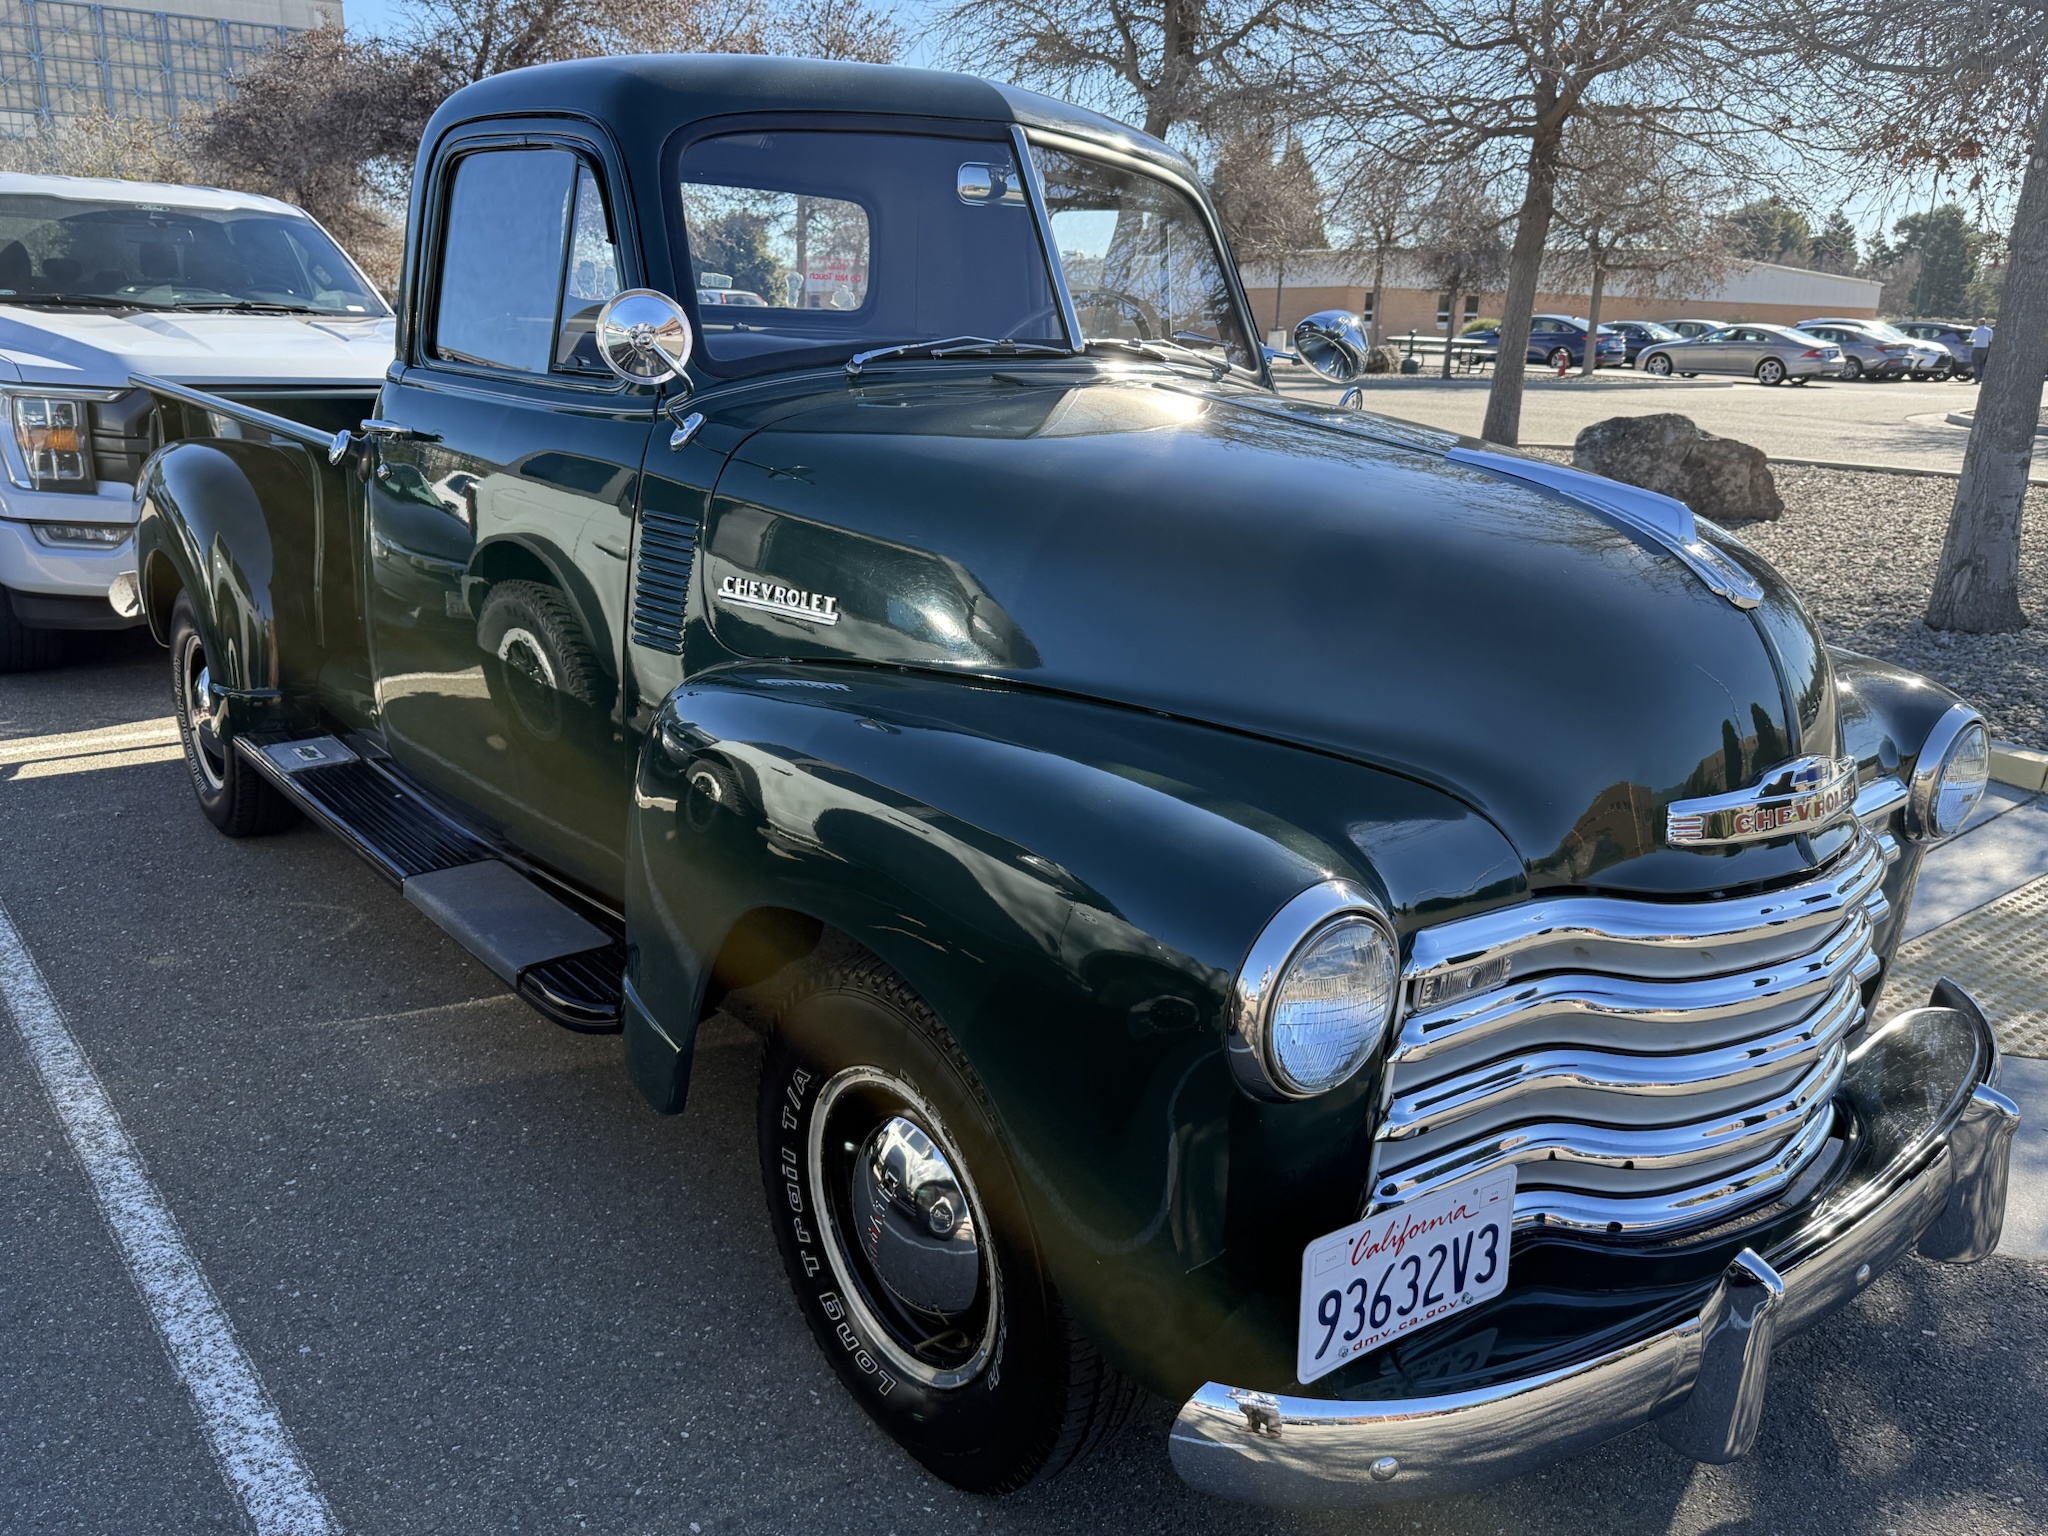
pixel 563 965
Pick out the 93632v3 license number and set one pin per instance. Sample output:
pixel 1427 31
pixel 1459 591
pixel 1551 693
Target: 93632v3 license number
pixel 1401 1270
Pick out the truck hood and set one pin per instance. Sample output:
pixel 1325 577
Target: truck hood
pixel 93 349
pixel 1322 578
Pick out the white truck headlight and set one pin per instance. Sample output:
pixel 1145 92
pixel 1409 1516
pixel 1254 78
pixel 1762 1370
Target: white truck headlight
pixel 1950 778
pixel 1315 994
pixel 54 436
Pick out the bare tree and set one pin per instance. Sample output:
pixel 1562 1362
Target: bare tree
pixel 1270 208
pixel 96 143
pixel 1166 64
pixel 1455 80
pixel 1382 200
pixel 1966 95
pixel 1458 246
pixel 1629 204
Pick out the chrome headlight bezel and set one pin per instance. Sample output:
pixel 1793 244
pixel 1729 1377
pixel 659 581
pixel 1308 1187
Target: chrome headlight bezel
pixel 1938 755
pixel 1286 938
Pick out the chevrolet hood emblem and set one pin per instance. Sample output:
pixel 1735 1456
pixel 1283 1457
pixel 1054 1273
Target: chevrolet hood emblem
pixel 1801 796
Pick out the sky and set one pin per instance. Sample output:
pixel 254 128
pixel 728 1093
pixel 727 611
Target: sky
pixel 1873 213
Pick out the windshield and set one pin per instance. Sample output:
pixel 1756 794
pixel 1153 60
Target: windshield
pixel 159 256
pixel 1138 257
pixel 836 243
pixel 841 242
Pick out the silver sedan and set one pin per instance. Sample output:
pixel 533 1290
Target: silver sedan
pixel 1770 354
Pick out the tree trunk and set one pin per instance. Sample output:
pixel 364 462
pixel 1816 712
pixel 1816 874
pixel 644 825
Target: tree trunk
pixel 1588 363
pixel 1977 588
pixel 1503 422
pixel 1379 293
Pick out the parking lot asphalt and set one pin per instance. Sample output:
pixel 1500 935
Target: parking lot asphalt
pixel 488 1291
pixel 1893 426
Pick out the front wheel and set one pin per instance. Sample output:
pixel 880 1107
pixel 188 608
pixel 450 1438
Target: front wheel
pixel 235 797
pixel 1658 366
pixel 1770 371
pixel 904 1234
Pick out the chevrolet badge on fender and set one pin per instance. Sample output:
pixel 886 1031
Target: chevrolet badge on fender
pixel 772 597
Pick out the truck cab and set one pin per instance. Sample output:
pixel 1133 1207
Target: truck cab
pixel 1368 936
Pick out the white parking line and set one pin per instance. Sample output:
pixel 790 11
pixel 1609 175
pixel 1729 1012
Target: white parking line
pixel 256 1452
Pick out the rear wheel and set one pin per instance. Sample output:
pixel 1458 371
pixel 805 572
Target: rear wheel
pixel 23 649
pixel 235 797
pixel 903 1230
pixel 1770 371
pixel 1852 370
pixel 1560 357
pixel 1657 365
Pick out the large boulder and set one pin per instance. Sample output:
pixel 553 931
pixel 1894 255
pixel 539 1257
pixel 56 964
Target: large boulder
pixel 1716 476
pixel 1383 360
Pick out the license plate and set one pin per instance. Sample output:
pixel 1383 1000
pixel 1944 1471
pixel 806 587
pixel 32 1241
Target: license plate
pixel 1401 1270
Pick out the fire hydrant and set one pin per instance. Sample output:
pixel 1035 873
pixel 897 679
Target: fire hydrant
pixel 1564 365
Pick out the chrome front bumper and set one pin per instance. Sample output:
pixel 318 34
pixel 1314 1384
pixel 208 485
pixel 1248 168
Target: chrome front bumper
pixel 1922 1090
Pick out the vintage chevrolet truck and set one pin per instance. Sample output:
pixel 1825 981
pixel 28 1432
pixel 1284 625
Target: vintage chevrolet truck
pixel 1369 936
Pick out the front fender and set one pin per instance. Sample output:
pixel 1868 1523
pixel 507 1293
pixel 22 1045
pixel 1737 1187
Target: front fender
pixel 1072 887
pixel 233 523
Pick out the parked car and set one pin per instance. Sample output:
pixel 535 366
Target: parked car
pixel 1638 334
pixel 1865 353
pixel 1770 354
pixel 1556 341
pixel 1952 336
pixel 1922 359
pixel 1038 729
pixel 1692 328
pixel 741 296
pixel 98 279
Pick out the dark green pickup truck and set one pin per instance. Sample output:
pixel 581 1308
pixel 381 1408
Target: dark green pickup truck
pixel 1369 936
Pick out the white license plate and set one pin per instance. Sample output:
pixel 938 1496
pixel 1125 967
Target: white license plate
pixel 1402 1270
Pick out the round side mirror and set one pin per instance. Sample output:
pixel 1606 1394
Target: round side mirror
pixel 1333 343
pixel 643 336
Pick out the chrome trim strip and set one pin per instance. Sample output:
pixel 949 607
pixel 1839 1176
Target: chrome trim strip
pixel 1426 1035
pixel 1649 930
pixel 1677 1074
pixel 1879 798
pixel 1300 920
pixel 1667 522
pixel 1927 771
pixel 1726 1133
pixel 1034 189
pixel 1268 1448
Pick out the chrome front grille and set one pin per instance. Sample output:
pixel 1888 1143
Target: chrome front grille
pixel 1646 1066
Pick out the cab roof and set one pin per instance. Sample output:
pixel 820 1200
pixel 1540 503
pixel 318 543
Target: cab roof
pixel 654 94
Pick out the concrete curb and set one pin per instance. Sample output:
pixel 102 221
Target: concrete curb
pixel 2035 477
pixel 2020 767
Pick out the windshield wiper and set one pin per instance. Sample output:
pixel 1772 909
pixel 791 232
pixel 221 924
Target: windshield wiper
pixel 79 300
pixel 955 346
pixel 1163 351
pixel 255 307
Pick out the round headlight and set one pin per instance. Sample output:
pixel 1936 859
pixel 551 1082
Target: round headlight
pixel 1953 772
pixel 1315 994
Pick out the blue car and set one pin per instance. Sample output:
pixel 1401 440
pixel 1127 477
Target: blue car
pixel 1560 337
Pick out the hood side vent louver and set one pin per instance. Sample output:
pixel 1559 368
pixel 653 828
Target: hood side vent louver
pixel 661 579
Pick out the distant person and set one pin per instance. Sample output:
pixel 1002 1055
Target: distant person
pixel 1980 349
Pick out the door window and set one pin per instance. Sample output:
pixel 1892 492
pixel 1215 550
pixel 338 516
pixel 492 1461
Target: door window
pixel 591 277
pixel 501 258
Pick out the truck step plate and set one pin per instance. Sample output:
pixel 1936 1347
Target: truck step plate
pixel 561 963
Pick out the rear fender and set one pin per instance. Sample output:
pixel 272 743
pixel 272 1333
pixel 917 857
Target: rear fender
pixel 1072 887
pixel 234 523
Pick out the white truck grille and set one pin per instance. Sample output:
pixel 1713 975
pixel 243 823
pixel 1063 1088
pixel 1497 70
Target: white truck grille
pixel 1646 1066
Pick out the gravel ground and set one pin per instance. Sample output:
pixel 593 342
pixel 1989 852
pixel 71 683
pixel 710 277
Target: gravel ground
pixel 1868 592
pixel 1861 548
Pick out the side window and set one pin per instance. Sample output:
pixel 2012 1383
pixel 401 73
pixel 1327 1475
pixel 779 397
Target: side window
pixel 591 277
pixel 502 258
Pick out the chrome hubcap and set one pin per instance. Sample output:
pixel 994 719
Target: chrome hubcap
pixel 208 753
pixel 904 1230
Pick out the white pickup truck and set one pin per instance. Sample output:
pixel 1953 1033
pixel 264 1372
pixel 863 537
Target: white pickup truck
pixel 242 296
